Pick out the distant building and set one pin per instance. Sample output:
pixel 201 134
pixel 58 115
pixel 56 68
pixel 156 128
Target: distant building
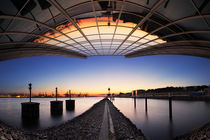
pixel 125 94
pixel 194 93
pixel 66 95
pixel 134 93
pixel 138 92
pixel 207 91
pixel 198 93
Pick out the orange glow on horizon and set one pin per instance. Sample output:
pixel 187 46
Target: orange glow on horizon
pixel 63 92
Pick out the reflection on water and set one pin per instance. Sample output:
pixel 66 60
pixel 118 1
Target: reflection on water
pixel 10 112
pixel 146 105
pixel 30 124
pixel 159 121
pixel 170 109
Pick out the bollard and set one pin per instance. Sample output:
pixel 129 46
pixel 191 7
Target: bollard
pixel 70 104
pixel 30 110
pixel 56 107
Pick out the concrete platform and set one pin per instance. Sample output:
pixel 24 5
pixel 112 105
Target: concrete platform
pixel 70 104
pixel 30 110
pixel 56 107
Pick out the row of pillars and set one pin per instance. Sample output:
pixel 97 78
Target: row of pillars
pixel 30 110
pixel 169 104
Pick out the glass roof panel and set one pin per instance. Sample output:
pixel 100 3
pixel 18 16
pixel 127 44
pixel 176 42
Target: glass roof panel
pixel 90 30
pixel 119 37
pixel 139 33
pixel 103 37
pixel 93 37
pixel 107 29
pixel 52 42
pixel 142 41
pixel 74 34
pixel 133 38
pixel 81 39
pixel 123 30
pixel 62 38
pixel 62 45
pixel 152 43
pixel 109 36
pixel 70 42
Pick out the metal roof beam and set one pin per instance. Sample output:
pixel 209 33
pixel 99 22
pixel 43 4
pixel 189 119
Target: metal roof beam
pixel 196 8
pixel 37 35
pixel 12 20
pixel 94 11
pixel 141 6
pixel 62 10
pixel 156 6
pixel 188 47
pixel 13 50
pixel 121 10
pixel 138 15
pixel 41 24
pixel 167 25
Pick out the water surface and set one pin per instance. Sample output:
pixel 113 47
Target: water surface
pixel 156 124
pixel 10 111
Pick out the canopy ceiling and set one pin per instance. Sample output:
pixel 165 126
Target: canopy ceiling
pixel 83 28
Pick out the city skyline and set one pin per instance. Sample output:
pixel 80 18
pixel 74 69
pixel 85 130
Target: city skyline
pixel 95 75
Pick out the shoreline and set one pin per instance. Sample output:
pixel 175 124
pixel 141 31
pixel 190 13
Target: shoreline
pixel 201 133
pixel 120 120
pixel 51 97
pixel 184 98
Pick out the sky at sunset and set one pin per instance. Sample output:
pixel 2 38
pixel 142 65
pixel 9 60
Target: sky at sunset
pixel 96 74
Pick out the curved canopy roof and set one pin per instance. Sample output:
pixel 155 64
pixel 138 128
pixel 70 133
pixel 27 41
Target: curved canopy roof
pixel 83 28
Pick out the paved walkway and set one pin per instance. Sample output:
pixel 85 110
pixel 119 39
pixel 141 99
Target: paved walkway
pixel 107 128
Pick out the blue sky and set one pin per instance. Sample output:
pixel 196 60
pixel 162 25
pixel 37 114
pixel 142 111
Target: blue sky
pixel 96 74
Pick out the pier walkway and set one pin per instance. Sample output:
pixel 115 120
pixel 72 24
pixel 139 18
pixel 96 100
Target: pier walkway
pixel 107 128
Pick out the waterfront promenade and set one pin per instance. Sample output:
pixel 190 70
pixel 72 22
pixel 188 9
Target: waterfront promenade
pixel 101 122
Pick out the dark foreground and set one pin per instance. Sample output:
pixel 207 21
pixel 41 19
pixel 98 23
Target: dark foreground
pixel 86 126
pixel 202 133
pixel 102 118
